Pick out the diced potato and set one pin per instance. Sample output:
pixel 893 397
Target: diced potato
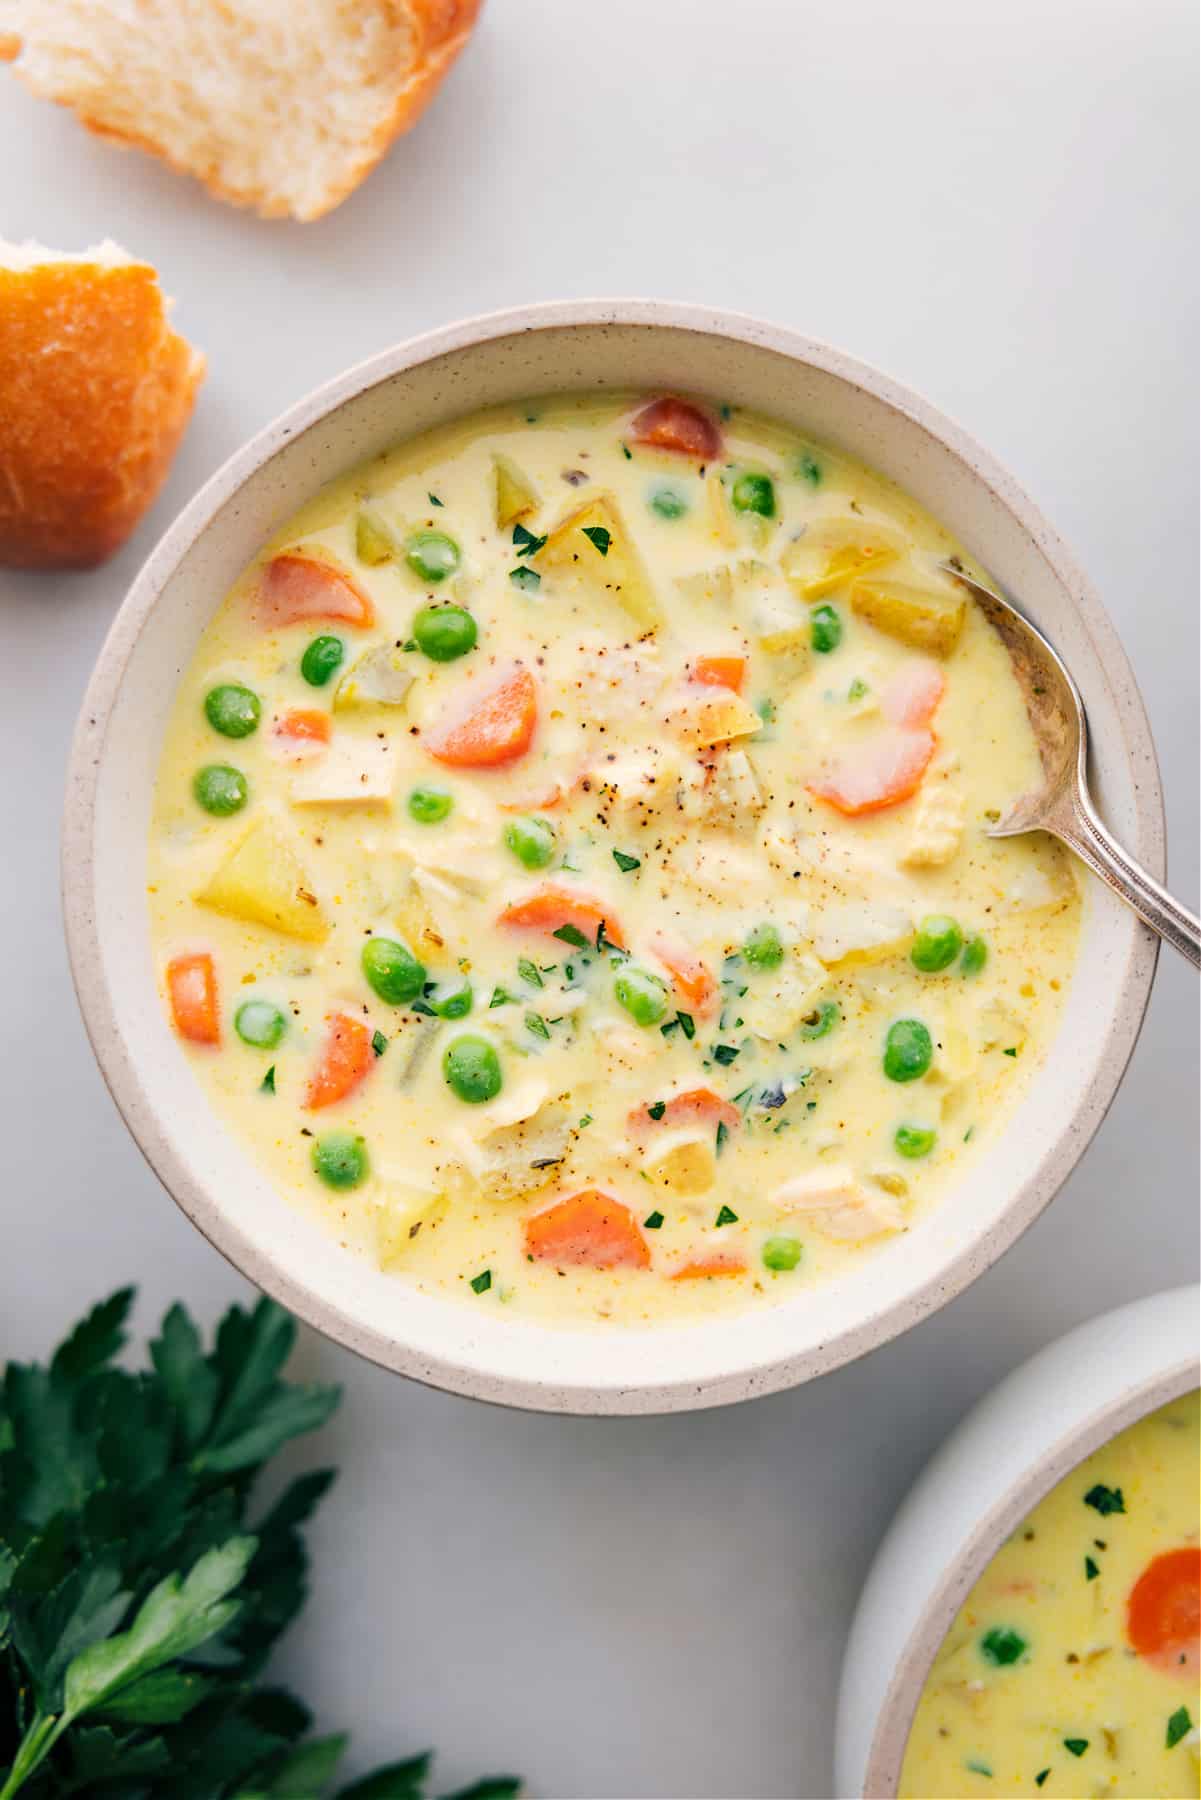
pixel 379 677
pixel 937 826
pixel 519 1160
pixel 374 540
pixel 261 880
pixel 717 505
pixel 438 910
pixel 618 572
pixel 354 771
pixel 401 1212
pixel 727 796
pixel 638 786
pixel 686 1162
pixel 838 1205
pixel 707 586
pixel 998 1026
pixel 832 552
pixel 515 494
pixel 923 617
pixel 778 1000
pixel 780 624
pixel 861 933
pixel 714 716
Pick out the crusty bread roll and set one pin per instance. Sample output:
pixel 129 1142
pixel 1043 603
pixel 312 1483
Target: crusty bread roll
pixel 95 391
pixel 281 105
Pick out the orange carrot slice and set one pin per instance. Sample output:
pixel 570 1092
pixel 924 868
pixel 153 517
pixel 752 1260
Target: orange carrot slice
pixel 673 424
pixel 551 907
pixel 697 1106
pixel 345 1058
pixel 1163 1612
pixel 719 671
pixel 590 1230
pixel 693 981
pixel 913 695
pixel 294 586
pixel 497 726
pixel 721 1262
pixel 882 772
pixel 303 726
pixel 192 989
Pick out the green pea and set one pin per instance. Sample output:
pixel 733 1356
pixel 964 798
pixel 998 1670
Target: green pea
pixel 429 806
pixel 321 658
pixel 754 494
pixel 937 944
pixel 821 1020
pixel 825 629
pixel 914 1141
pixel 232 709
pixel 975 955
pixel 392 970
pixel 763 949
pixel 451 999
pixel 445 633
pixel 340 1159
pixel 781 1254
pixel 532 842
pixel 471 1069
pixel 669 503
pixel 908 1050
pixel 642 994
pixel 432 554
pixel 260 1024
pixel 220 789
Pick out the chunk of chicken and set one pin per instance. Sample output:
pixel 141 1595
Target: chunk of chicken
pixel 937 831
pixel 861 933
pixel 401 1211
pixel 637 787
pixel 354 771
pixel 515 1161
pixel 777 1002
pixel 726 793
pixel 838 1205
pixel 709 587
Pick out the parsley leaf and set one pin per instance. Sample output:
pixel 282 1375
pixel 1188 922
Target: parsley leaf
pixel 528 580
pixel 1105 1500
pixel 571 934
pixel 1075 1746
pixel 626 863
pixel 653 1221
pixel 1179 1725
pixel 726 1217
pixel 530 972
pixel 537 1024
pixel 600 536
pixel 481 1283
pixel 725 1053
pixel 1091 1571
pixel 658 1109
pixel 525 543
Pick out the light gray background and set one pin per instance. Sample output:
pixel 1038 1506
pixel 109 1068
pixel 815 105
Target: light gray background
pixel 994 202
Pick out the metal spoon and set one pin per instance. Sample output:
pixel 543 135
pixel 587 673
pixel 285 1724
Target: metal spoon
pixel 1063 804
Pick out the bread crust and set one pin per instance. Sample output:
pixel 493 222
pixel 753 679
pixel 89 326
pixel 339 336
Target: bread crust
pixel 440 27
pixel 95 392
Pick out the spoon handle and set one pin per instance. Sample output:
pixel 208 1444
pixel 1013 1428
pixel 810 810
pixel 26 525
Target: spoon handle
pixel 1084 832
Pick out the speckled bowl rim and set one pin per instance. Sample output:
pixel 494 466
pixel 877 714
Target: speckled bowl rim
pixel 1099 1425
pixel 187 1185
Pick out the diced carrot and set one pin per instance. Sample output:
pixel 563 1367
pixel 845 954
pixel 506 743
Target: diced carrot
pixel 720 1262
pixel 345 1058
pixel 697 1106
pixel 1163 1612
pixel 693 980
pixel 496 727
pixel 192 987
pixel 719 671
pixel 881 772
pixel 673 424
pixel 551 907
pixel 913 695
pixel 303 726
pixel 294 586
pixel 589 1229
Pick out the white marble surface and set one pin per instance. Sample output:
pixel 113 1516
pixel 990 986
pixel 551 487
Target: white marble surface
pixel 997 204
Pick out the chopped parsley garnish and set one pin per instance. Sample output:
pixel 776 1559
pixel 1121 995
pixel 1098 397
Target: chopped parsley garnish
pixel 409 644
pixel 528 580
pixel 809 469
pixel 433 499
pixel 598 535
pixel 626 863
pixel 571 934
pixel 537 1024
pixel 1178 1726
pixel 267 1084
pixel 726 1217
pixel 481 1283
pixel 500 998
pixel 1075 1746
pixel 857 689
pixel 1105 1500
pixel 652 1221
pixel 687 1025
pixel 1002 1645
pixel 671 1025
pixel 1041 1777
pixel 725 1053
pixel 1010 1052
pixel 530 972
pixel 627 453
pixel 379 1042
pixel 658 1109
pixel 586 1120
pixel 977 1767
pixel 525 543
pixel 743 1099
pixel 723 1132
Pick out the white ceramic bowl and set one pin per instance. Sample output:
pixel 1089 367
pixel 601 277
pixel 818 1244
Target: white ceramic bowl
pixel 586 345
pixel 1010 1450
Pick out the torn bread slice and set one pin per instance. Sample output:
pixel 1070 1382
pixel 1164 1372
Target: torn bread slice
pixel 95 392
pixel 277 106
